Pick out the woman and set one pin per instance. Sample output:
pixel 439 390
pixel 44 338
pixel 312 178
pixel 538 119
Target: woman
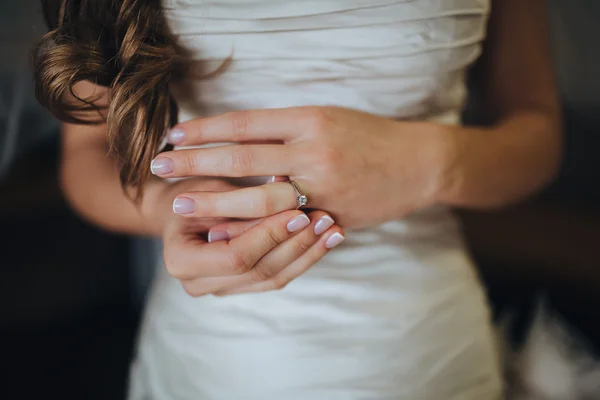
pixel 355 102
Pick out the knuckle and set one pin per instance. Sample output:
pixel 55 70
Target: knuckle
pixel 197 128
pixel 265 204
pixel 213 185
pixel 328 161
pixel 330 156
pixel 279 284
pixel 317 119
pixel 240 121
pixel 190 163
pixel 211 204
pixel 174 268
pixel 208 205
pixel 191 289
pixel 262 273
pixel 237 263
pixel 270 206
pixel 303 246
pixel 241 160
pixel 171 270
pixel 271 239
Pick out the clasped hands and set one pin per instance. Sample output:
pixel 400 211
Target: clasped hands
pixel 356 169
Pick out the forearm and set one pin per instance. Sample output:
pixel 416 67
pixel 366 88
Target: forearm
pixel 90 181
pixel 517 96
pixel 493 167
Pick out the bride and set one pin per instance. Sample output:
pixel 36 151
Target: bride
pixel 344 275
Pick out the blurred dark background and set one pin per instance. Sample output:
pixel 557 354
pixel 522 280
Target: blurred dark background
pixel 71 295
pixel 549 247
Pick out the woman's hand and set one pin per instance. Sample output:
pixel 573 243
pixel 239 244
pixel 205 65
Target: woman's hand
pixel 223 256
pixel 361 168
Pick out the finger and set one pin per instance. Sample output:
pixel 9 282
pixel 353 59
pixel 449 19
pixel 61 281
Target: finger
pixel 252 202
pixel 225 161
pixel 269 265
pixel 271 124
pixel 332 238
pixel 290 250
pixel 187 261
pixel 229 230
pixel 274 179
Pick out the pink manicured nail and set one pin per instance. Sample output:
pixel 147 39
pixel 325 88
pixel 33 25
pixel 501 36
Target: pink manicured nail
pixel 176 136
pixel 323 224
pixel 297 223
pixel 334 240
pixel 183 205
pixel 161 166
pixel 217 236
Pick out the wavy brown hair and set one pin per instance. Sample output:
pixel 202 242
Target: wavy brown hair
pixel 126 46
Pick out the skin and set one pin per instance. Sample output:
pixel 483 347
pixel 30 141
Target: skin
pixel 90 182
pixel 344 160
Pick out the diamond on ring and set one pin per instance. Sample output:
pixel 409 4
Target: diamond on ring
pixel 301 199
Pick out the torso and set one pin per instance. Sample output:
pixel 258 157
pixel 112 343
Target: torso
pixel 401 59
pixel 398 311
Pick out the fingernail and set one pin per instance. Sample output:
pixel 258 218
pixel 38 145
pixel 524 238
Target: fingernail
pixel 183 205
pixel 323 224
pixel 161 166
pixel 216 236
pixel 271 180
pixel 176 136
pixel 297 223
pixel 334 240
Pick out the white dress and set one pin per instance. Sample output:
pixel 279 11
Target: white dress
pixel 397 311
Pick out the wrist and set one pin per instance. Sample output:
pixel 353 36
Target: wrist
pixel 450 146
pixel 156 206
pixel 438 150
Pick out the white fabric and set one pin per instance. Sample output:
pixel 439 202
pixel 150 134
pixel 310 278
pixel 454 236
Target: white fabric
pixel 398 311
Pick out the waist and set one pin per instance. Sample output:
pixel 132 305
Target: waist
pixel 422 250
pixel 423 226
pixel 439 99
pixel 424 247
pixel 396 268
pixel 385 275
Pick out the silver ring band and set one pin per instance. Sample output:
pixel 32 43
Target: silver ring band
pixel 301 199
